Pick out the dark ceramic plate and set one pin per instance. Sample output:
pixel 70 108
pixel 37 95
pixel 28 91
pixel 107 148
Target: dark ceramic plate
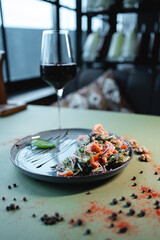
pixel 39 163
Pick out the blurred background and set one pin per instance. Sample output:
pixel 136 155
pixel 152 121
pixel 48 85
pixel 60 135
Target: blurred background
pixel 118 36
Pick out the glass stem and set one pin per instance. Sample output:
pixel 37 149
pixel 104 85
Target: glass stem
pixel 59 97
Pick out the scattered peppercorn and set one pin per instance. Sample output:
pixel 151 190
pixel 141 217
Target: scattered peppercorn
pixel 15 185
pixel 12 207
pixel 133 178
pixel 17 207
pixel 7 208
pixel 50 220
pixel 24 199
pixel 14 199
pixel 159 179
pixel 157 207
pixel 120 211
pixel 123 229
pixel 131 212
pixel 88 211
pixel 71 221
pixel 150 196
pixel 88 231
pixel 114 214
pixel 57 214
pixel 156 202
pixel 9 186
pixel 123 198
pixel 142 213
pixel 114 201
pixel 111 225
pixel 79 222
pixel 134 184
pixel 88 193
pixel 140 172
pixel 33 215
pixel 128 203
pixel 143 191
pixel 3 198
pixel 149 190
pixel 156 173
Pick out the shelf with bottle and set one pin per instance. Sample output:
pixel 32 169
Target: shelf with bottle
pixel 109 7
pixel 119 48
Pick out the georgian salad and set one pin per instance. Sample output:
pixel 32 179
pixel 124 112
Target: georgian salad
pixel 97 152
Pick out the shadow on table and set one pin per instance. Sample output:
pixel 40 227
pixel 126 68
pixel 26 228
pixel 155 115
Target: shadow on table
pixel 40 188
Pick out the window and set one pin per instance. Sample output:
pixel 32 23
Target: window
pixel 24 21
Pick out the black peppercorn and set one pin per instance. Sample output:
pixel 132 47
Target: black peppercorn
pixel 88 211
pixel 112 225
pixel 115 201
pixel 88 193
pixel 120 211
pixel 142 213
pixel 133 178
pixel 156 173
pixel 88 231
pixel 9 186
pixel 150 196
pixel 24 199
pixel 57 214
pixel 143 191
pixel 123 229
pixel 8 208
pixel 123 198
pixel 12 206
pixel 131 211
pixel 79 222
pixel 15 185
pixel 141 172
pixel 156 202
pixel 134 184
pixel 149 190
pixel 128 203
pixel 71 221
pixel 33 215
pixel 157 207
pixel 3 198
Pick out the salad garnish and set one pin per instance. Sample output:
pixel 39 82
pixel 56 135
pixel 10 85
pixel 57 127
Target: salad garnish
pixel 96 152
pixel 41 143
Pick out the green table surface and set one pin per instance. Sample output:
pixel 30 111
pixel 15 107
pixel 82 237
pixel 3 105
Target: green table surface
pixel 72 201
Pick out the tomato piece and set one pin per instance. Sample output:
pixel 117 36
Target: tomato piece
pixel 66 173
pixel 95 147
pixel 98 128
pixel 95 164
pixel 97 156
pixel 124 146
pixel 115 152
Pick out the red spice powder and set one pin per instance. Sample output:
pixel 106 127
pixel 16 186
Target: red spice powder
pixel 158 212
pixel 124 224
pixel 99 209
pixel 153 193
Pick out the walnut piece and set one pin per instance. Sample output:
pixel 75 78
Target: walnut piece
pixel 141 150
pixel 145 158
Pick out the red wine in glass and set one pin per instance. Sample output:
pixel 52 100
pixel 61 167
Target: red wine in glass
pixel 58 75
pixel 57 64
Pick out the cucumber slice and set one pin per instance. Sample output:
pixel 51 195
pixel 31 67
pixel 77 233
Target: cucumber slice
pixel 41 143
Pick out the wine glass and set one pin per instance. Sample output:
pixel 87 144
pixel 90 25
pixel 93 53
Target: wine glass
pixel 57 63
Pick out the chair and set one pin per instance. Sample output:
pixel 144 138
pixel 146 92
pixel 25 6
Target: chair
pixel 5 107
pixel 3 95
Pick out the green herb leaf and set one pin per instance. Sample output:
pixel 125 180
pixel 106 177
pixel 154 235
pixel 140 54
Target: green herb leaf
pixel 41 143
